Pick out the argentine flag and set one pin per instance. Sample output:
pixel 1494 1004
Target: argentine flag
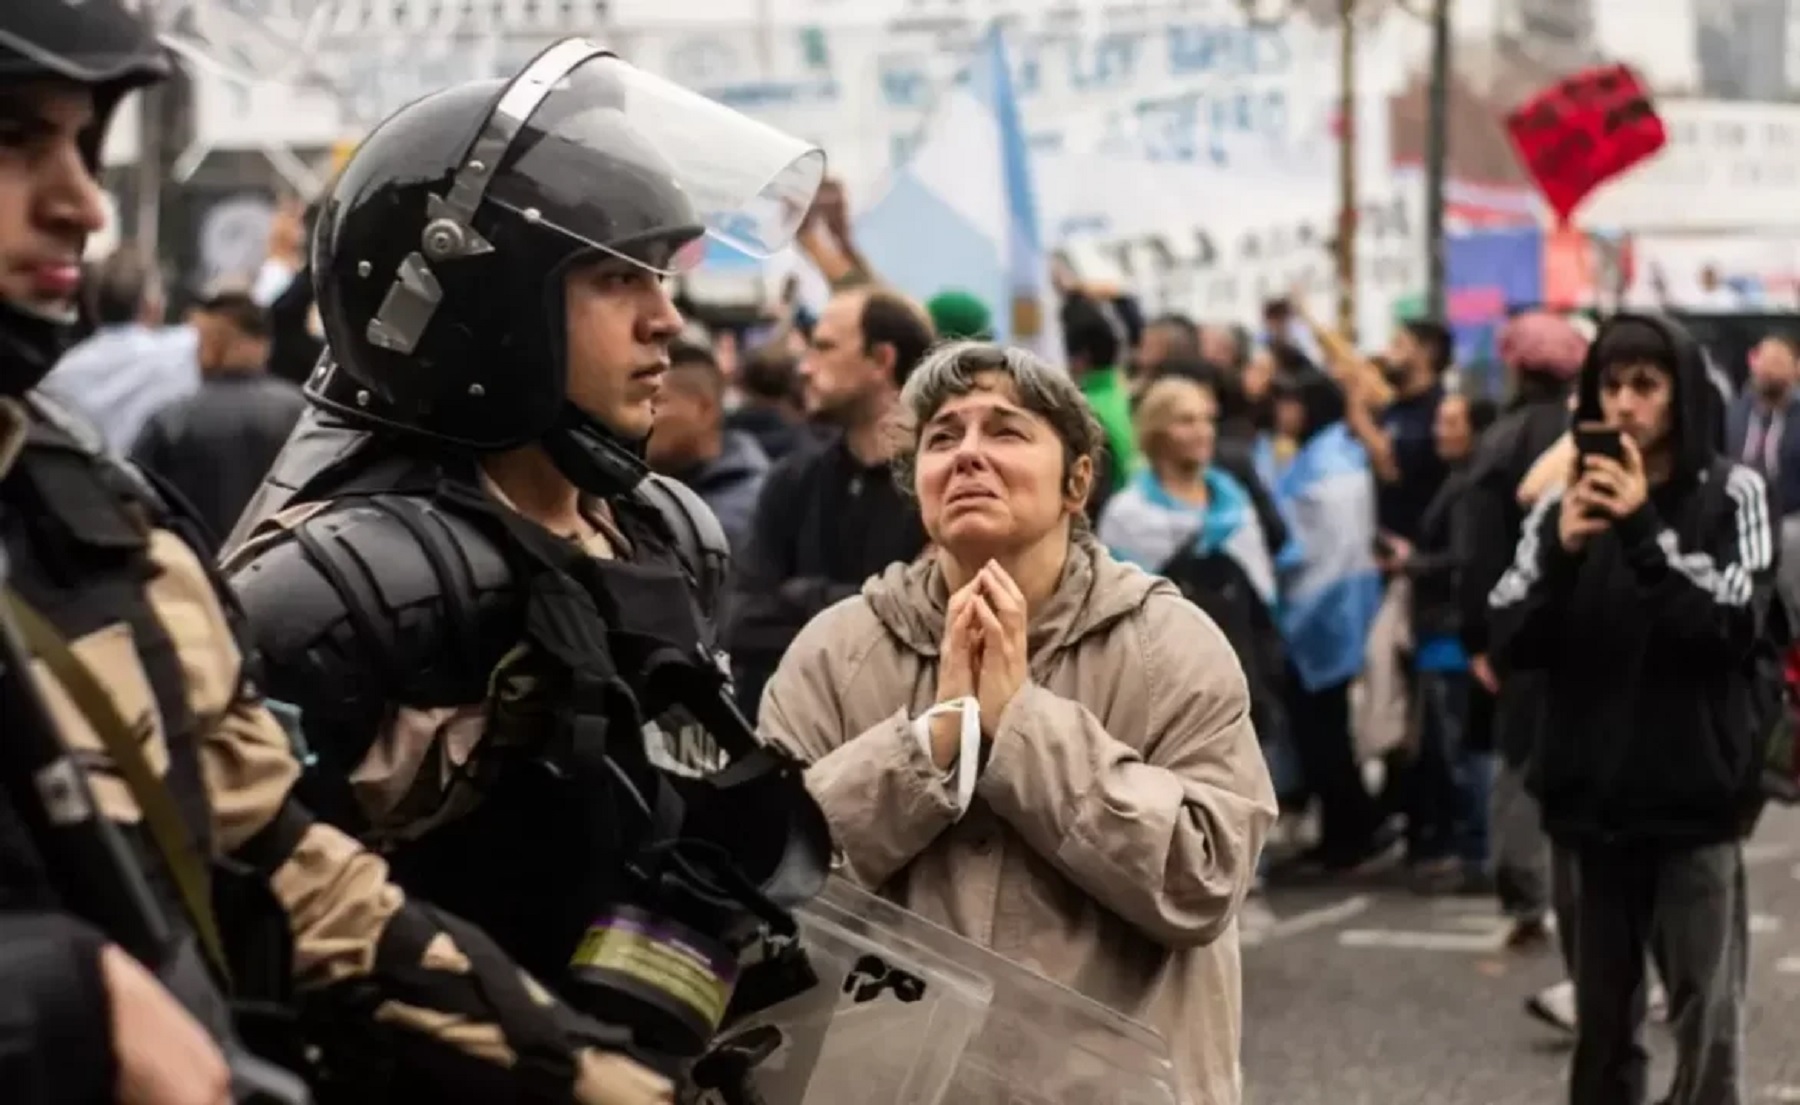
pixel 962 213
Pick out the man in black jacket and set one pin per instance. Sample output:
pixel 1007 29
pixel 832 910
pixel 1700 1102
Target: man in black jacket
pixel 830 515
pixel 216 445
pixel 1640 592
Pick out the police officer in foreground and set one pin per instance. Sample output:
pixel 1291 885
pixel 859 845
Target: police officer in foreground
pixel 137 669
pixel 493 624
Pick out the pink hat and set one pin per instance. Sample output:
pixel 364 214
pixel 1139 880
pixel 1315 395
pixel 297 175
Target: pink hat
pixel 1538 341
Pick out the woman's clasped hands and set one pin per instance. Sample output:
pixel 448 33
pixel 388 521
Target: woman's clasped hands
pixel 983 655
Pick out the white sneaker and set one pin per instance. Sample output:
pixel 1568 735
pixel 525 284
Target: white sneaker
pixel 1555 1006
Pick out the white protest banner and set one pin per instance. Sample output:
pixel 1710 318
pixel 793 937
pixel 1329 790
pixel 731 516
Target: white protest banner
pixel 1757 272
pixel 1218 269
pixel 1728 167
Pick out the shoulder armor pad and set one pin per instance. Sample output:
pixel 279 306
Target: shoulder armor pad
pixel 376 600
pixel 70 422
pixel 700 540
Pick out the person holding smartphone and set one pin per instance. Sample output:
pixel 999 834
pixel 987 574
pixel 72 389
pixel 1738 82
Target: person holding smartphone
pixel 1639 590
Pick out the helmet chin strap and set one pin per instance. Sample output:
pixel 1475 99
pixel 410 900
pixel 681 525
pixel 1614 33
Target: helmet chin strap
pixel 594 459
pixel 31 342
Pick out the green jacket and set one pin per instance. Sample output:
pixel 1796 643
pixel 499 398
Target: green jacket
pixel 1108 394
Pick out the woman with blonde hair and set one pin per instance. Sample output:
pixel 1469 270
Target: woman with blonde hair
pixel 1193 522
pixel 1025 740
pixel 1181 499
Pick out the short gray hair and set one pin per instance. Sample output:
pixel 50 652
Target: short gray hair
pixel 953 370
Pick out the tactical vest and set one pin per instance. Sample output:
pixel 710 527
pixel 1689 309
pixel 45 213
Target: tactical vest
pixel 78 528
pixel 571 792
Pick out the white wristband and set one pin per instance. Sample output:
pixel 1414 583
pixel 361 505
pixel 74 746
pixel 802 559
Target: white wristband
pixel 968 755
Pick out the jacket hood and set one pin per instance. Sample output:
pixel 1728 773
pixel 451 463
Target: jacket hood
pixel 1095 591
pixel 740 459
pixel 741 455
pixel 1697 412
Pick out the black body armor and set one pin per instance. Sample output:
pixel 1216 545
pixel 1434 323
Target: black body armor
pixel 411 585
pixel 80 531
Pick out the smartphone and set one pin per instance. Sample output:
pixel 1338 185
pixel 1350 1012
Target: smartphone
pixel 1595 440
pixel 1384 548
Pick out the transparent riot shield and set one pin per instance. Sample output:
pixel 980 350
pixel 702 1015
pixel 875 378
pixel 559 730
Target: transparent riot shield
pixel 1038 1043
pixel 885 1025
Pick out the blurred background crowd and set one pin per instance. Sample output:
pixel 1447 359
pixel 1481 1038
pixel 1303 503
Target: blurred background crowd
pixel 1259 236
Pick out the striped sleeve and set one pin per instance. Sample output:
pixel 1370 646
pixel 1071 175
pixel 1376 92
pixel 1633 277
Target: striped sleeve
pixel 1527 567
pixel 1713 598
pixel 1731 580
pixel 1526 605
pixel 1709 598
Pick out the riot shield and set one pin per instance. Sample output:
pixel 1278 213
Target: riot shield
pixel 1038 1044
pixel 885 1024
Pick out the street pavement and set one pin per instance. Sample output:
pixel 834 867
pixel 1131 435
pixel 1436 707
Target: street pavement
pixel 1368 994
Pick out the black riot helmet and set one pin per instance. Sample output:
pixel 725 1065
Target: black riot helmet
pixel 439 258
pixel 96 43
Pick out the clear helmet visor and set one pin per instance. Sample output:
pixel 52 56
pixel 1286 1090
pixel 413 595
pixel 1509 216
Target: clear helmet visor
pixel 642 168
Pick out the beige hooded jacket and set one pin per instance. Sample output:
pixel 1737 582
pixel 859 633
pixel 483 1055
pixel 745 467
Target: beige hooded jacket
pixel 1116 827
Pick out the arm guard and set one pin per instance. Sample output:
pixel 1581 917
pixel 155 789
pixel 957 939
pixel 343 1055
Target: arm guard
pixel 393 598
pixel 370 602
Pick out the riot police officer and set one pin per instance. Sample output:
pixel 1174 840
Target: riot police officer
pixel 492 622
pixel 161 742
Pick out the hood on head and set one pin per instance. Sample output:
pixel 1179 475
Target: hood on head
pixel 741 454
pixel 1698 407
pixel 1095 591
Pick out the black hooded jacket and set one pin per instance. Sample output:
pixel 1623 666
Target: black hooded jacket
pixel 1644 637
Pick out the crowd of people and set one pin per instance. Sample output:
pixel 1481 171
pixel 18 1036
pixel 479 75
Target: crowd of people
pixel 1070 659
pixel 1540 647
pixel 1380 551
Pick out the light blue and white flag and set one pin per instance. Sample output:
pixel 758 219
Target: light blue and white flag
pixel 962 213
pixel 1330 589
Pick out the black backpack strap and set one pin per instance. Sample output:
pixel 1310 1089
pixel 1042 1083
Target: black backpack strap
pixel 700 540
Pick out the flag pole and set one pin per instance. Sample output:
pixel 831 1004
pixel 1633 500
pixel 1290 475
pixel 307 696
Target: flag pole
pixel 1347 182
pixel 1437 160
